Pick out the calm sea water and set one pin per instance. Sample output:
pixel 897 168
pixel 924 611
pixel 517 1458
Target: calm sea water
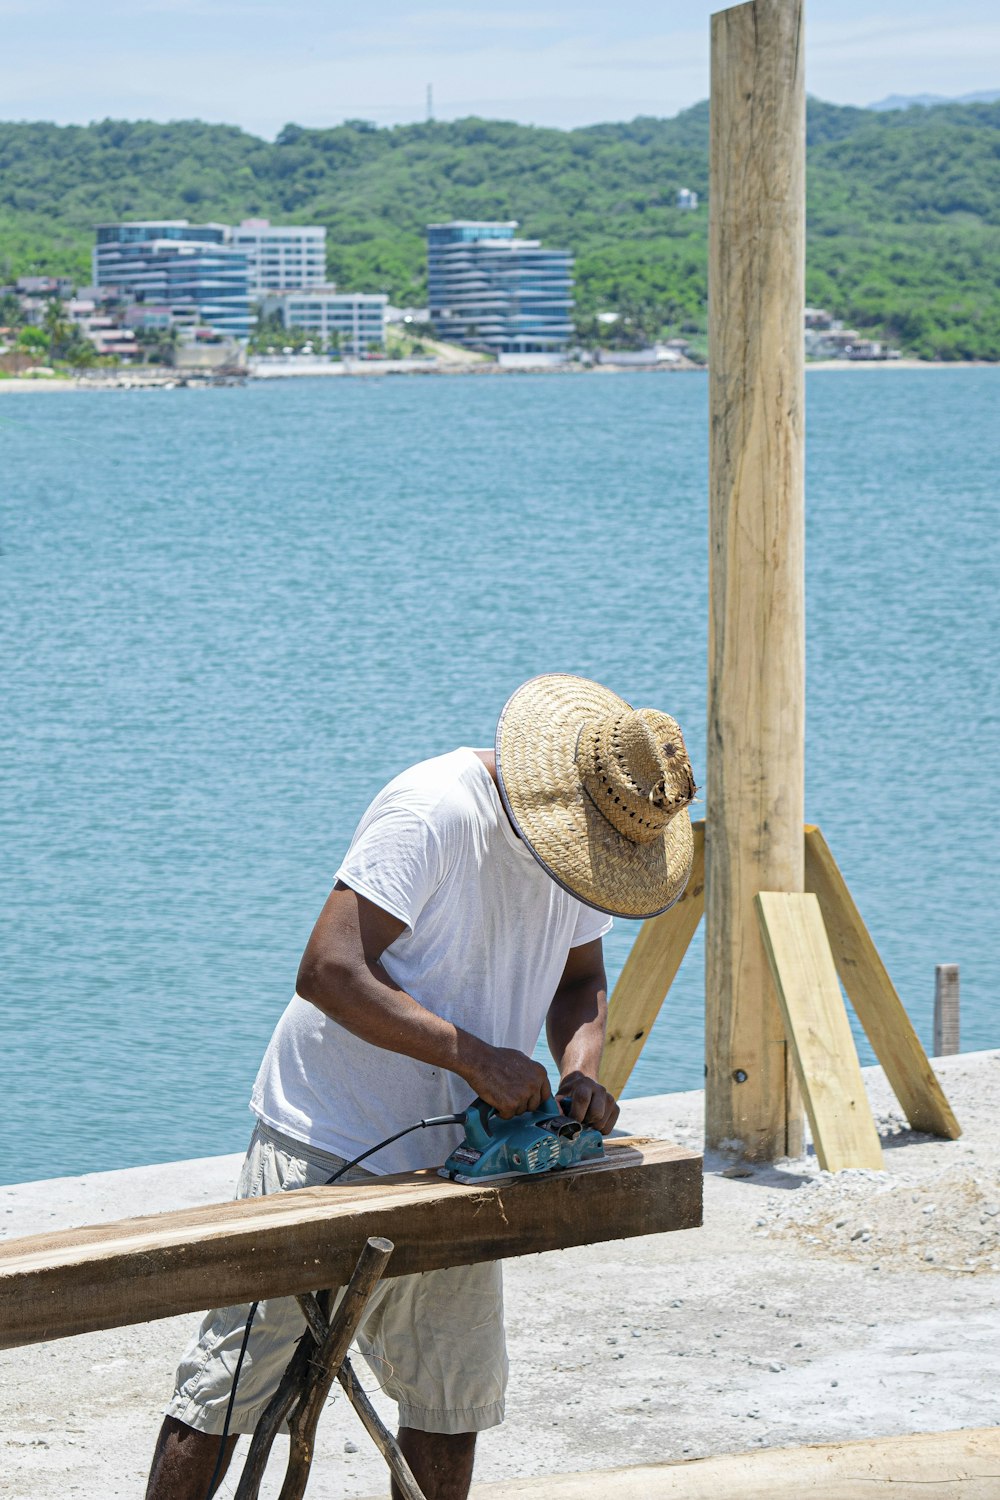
pixel 230 615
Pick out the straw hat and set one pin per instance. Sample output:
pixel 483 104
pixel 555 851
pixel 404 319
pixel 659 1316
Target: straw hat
pixel 599 792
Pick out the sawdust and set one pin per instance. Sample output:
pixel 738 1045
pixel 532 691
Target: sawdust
pixel 948 1223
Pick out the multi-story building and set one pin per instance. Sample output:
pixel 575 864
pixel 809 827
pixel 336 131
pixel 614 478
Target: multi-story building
pixel 354 322
pixel 190 268
pixel 488 290
pixel 281 257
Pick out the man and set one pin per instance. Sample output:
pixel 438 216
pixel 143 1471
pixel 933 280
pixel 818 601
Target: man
pixel 469 910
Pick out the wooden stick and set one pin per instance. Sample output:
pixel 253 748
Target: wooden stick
pixel 873 995
pixel 377 1431
pixel 380 1434
pixel 220 1255
pixel 946 1028
pixel 276 1412
pixel 826 1062
pixel 307 1379
pixel 326 1362
pixel 756 635
pixel 649 971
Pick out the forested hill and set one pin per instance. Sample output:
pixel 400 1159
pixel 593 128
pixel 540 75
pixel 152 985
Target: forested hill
pixel 904 206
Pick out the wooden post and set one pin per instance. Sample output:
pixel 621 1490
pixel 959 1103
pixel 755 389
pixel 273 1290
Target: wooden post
pixel 946 1010
pixel 756 646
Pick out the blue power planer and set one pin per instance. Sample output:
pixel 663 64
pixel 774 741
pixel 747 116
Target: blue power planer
pixel 542 1140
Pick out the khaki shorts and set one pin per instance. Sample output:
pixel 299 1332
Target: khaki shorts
pixel 434 1341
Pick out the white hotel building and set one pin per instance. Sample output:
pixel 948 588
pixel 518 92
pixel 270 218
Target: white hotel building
pixel 281 257
pixel 287 269
pixel 354 321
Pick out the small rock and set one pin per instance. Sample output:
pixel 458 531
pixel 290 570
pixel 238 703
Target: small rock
pixel 929 1208
pixel 840 1224
pixel 350 1447
pixel 775 1367
pixel 612 1341
pixel 992 1209
pixel 834 1382
pixel 929 1255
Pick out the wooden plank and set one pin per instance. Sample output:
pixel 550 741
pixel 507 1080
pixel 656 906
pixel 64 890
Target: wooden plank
pixel 944 1465
pixel 756 636
pixel 107 1275
pixel 873 995
pixel 826 1062
pixel 946 1010
pixel 649 971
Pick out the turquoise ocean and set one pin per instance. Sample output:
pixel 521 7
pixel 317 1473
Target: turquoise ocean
pixel 228 616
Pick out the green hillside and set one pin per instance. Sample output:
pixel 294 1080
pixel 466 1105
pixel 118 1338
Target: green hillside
pixel 904 206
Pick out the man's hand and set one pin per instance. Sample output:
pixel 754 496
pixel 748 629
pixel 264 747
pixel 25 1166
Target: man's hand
pixel 508 1080
pixel 589 1102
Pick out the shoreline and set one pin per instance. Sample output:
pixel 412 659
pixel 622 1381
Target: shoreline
pixel 177 380
pixel 809 1308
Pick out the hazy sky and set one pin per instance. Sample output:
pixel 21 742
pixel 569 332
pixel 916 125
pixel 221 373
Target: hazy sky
pixel 261 63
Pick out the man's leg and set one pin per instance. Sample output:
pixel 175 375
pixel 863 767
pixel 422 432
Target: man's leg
pixel 441 1462
pixel 184 1462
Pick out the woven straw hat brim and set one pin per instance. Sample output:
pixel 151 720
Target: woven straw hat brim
pixel 541 789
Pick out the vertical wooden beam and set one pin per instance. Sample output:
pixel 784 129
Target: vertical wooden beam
pixel 946 1029
pixel 756 673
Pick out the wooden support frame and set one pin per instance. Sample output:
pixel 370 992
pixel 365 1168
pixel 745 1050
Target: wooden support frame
pixel 218 1255
pixel 826 1063
pixel 319 1359
pixel 649 971
pixel 873 995
pixel 659 949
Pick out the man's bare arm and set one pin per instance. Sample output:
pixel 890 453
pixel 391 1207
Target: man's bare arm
pixel 342 975
pixel 575 1030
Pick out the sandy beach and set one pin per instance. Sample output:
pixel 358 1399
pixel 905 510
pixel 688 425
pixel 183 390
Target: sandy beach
pixel 809 1308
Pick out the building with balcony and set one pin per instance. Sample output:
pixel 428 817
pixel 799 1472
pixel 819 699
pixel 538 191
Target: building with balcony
pixel 281 257
pixel 488 290
pixel 190 268
pixel 353 322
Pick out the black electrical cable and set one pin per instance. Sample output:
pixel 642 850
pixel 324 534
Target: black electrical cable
pixel 420 1125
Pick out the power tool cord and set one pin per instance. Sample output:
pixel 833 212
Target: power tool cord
pixel 420 1125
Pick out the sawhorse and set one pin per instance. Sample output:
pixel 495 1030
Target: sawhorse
pixel 319 1359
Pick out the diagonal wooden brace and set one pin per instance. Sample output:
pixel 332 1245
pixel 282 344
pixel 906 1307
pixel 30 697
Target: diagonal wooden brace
pixel 305 1385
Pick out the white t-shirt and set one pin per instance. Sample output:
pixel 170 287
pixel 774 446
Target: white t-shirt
pixel 486 941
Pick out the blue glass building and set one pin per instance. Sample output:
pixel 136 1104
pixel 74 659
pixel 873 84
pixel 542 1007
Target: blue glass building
pixel 191 268
pixel 488 290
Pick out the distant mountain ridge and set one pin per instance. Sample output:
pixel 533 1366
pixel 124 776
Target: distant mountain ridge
pixel 928 101
pixel 904 206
